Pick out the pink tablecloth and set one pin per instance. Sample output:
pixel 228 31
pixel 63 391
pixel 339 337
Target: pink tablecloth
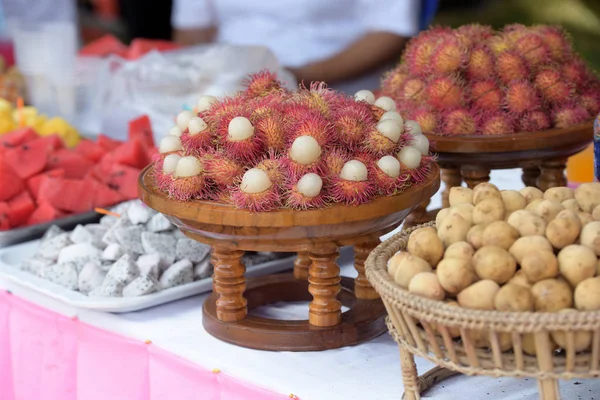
pixel 46 356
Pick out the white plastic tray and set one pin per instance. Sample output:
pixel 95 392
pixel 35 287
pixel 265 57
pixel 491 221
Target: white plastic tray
pixel 11 258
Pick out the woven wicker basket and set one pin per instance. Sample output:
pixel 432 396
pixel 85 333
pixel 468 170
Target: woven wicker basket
pixel 424 327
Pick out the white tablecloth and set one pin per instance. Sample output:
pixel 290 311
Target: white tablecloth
pixel 370 371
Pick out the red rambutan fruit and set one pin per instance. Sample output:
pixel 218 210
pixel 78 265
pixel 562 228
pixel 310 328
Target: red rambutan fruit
pixel 197 138
pixel 419 175
pixel 569 115
pixel 496 123
pixel 556 41
pixel 552 85
pixel 221 169
pixel 419 53
pixel 427 118
pixel 256 192
pixel 511 66
pixel 449 56
pixel 317 97
pixel 499 44
pixel 445 92
pixel 315 126
pixel 393 81
pixel 352 186
pixel 274 128
pixel 262 84
pixel 471 34
pixel 413 90
pixel 387 176
pixel 384 139
pixel 164 167
pixel 534 121
pixel 533 49
pixel 351 125
pixel 304 156
pixel 521 96
pixel 306 193
pixel 335 160
pixel 240 140
pixel 480 64
pixel 459 122
pixel 411 163
pixel 274 169
pixel 485 95
pixel 575 71
pixel 590 100
pixel 225 108
pixel 188 179
pixel 514 32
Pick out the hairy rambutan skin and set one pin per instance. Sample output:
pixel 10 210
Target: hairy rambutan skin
pixel 318 97
pixel 162 180
pixel 295 170
pixel 351 192
pixel 187 188
pixel 419 53
pixel 459 122
pixel 413 90
pixel 590 100
pixel 225 108
pixel 552 85
pixel 377 144
pixel 393 81
pixel 387 185
pixel 315 126
pixel 521 96
pixel 427 118
pixel 262 84
pixel 486 96
pixel 471 34
pixel 496 123
pixel 268 200
pixel 352 124
pixel 533 49
pixel 222 170
pixel 575 71
pixel 335 160
pixel 499 44
pixel 419 175
pixel 274 169
pixel 534 121
pixel 445 92
pixel 480 63
pixel 569 115
pixel 511 66
pixel 449 56
pixel 197 144
pixel 556 40
pixel 274 128
pixel 298 201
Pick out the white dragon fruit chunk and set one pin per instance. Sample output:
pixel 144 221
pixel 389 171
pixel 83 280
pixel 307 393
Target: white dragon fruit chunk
pixel 140 286
pixel 51 232
pixel 122 208
pixel 108 221
pixel 158 223
pixel 124 271
pixel 109 288
pixel 35 265
pixel 150 264
pixel 91 277
pixel 159 243
pixel 203 269
pixel 121 223
pixel 63 274
pixel 130 239
pixel 51 248
pixel 139 213
pixel 112 252
pixel 177 274
pixel 191 250
pixel 177 234
pixel 77 252
pixel 98 231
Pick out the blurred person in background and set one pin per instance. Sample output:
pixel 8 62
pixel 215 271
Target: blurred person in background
pixel 347 43
pixel 40 11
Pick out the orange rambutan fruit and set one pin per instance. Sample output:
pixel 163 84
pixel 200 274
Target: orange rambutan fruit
pixel 449 56
pixel 533 49
pixel 511 66
pixel 427 118
pixel 550 82
pixel 496 123
pixel 556 40
pixel 458 122
pixel 521 96
pixel 568 115
pixel 480 64
pixel 471 34
pixel 262 84
pixel 534 121
pixel 413 90
pixel 485 95
pixel 445 92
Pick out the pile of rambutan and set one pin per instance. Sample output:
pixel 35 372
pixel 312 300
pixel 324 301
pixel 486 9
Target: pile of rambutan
pixel 268 148
pixel 477 81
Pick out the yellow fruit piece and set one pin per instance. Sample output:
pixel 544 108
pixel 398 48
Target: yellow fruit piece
pixel 62 128
pixel 5 106
pixel 7 125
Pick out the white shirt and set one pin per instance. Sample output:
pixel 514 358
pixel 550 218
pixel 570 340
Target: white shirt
pixel 300 32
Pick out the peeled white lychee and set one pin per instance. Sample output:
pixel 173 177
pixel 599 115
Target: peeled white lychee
pixel 310 185
pixel 255 180
pixel 183 119
pixel 169 144
pixel 389 165
pixel 410 157
pixel 386 103
pixel 196 125
pixel 188 166
pixel 354 170
pixel 205 102
pixel 365 95
pixel 305 150
pixel 240 128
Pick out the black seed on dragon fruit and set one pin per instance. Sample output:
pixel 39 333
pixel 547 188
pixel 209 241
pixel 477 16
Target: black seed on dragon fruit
pixel 140 286
pixel 53 231
pixel 91 277
pixel 139 213
pixel 191 250
pixel 109 288
pixel 35 266
pixel 158 223
pixel 130 239
pixel 124 271
pixel 79 254
pixel 50 248
pixel 177 274
pixel 64 274
pixel 159 243
pixel 121 223
pixel 150 264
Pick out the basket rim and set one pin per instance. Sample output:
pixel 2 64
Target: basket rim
pixel 376 272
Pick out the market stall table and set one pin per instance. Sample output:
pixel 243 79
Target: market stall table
pixel 164 353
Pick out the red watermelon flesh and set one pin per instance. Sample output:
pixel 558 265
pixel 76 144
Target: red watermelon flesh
pixel 123 179
pixel 54 142
pixel 132 153
pixel 30 158
pixel 107 143
pixel 105 196
pixel 4 219
pixel 44 213
pixel 33 183
pixel 20 208
pixel 73 195
pixel 10 183
pixel 141 129
pixel 74 165
pixel 90 150
pixel 18 137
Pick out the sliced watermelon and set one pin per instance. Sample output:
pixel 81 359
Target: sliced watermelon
pixel 139 47
pixel 90 150
pixel 104 46
pixel 20 208
pixel 10 183
pixel 73 195
pixel 33 183
pixel 141 129
pixel 54 142
pixel 74 165
pixel 107 143
pixel 105 196
pixel 44 213
pixel 124 180
pixel 132 153
pixel 29 157
pixel 18 137
pixel 4 217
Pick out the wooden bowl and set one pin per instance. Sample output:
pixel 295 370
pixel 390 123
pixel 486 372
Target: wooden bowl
pixel 317 236
pixel 426 328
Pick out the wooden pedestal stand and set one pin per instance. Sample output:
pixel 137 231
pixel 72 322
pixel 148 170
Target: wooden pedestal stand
pixel 316 236
pixel 541 155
